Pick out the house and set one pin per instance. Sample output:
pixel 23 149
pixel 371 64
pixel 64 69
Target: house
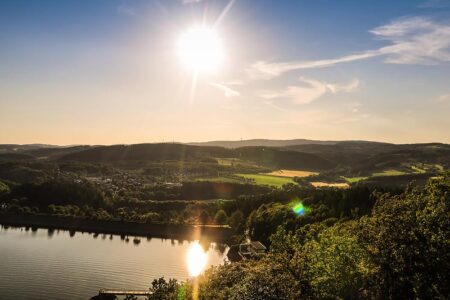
pixel 248 250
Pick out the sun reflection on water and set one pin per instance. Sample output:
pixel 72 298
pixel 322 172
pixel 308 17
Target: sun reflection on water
pixel 196 259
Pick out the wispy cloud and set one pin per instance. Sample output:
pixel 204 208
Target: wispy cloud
pixel 415 40
pixel 273 105
pixel 227 91
pixel 190 1
pixel 266 70
pixel 443 98
pixel 311 90
pixel 125 9
pixel 435 4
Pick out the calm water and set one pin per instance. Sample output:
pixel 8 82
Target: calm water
pixel 55 265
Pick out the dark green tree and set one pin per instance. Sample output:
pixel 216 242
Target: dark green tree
pixel 408 237
pixel 221 217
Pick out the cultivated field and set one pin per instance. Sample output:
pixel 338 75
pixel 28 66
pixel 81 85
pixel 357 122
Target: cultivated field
pixel 291 173
pixel 389 173
pixel 327 184
pixel 354 179
pixel 263 179
pixel 221 179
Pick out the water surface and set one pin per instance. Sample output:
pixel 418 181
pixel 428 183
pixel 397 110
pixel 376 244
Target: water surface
pixel 46 264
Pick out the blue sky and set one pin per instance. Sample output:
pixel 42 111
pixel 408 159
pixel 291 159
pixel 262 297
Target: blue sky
pixel 106 71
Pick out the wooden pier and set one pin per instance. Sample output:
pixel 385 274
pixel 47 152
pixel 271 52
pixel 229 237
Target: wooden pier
pixel 110 294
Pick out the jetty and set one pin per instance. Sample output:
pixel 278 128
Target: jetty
pixel 106 294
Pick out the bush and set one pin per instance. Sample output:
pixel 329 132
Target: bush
pixel 237 221
pixel 221 217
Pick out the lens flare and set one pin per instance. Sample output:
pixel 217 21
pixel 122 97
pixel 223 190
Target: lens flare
pixel 299 209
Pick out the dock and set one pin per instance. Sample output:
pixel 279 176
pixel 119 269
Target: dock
pixel 111 293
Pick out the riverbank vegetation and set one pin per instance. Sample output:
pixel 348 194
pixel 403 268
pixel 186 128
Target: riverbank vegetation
pixel 400 248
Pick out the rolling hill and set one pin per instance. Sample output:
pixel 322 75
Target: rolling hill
pixel 261 143
pixel 265 156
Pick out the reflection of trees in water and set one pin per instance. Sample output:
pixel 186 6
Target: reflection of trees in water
pixel 72 233
pixel 221 248
pixel 50 232
pixel 205 244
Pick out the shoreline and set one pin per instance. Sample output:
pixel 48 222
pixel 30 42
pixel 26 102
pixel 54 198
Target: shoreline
pixel 157 230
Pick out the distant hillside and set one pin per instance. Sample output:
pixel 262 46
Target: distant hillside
pixel 346 158
pixel 154 152
pixel 366 157
pixel 9 148
pixel 15 156
pixel 55 152
pixel 278 158
pixel 283 159
pixel 261 142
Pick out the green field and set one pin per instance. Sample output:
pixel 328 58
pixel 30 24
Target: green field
pixel 354 179
pixel 221 179
pixel 234 161
pixel 418 170
pixel 267 179
pixel 226 161
pixel 389 173
pixel 439 167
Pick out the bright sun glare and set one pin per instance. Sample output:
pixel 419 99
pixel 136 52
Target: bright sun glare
pixel 196 259
pixel 200 49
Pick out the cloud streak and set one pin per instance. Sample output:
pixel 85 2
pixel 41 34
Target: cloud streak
pixel 311 90
pixel 443 98
pixel 415 40
pixel 435 4
pixel 125 9
pixel 227 91
pixel 190 1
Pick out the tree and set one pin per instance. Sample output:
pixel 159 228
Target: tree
pixel 165 290
pixel 266 219
pixel 408 237
pixel 237 221
pixel 221 217
pixel 336 265
pixel 249 280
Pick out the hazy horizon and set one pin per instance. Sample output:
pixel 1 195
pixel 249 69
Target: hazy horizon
pixel 124 71
pixel 218 140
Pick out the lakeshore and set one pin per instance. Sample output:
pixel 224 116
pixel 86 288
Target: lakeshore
pixel 157 230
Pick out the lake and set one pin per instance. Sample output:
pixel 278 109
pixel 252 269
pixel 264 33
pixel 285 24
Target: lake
pixel 52 264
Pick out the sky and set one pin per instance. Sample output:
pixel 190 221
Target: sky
pixel 109 71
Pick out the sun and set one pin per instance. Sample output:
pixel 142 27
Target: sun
pixel 200 49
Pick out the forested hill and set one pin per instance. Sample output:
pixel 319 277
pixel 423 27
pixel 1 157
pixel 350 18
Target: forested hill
pixel 378 156
pixel 261 142
pixel 356 158
pixel 265 156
